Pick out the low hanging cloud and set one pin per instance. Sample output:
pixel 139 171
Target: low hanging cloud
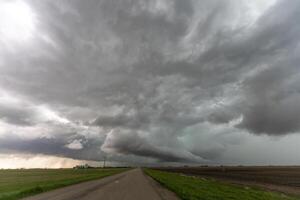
pixel 64 146
pixel 127 142
pixel 132 79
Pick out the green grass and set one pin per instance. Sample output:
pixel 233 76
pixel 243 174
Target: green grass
pixel 190 188
pixel 16 184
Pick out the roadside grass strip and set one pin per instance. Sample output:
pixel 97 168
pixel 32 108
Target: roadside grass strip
pixel 17 184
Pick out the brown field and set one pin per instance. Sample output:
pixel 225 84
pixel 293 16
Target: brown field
pixel 282 179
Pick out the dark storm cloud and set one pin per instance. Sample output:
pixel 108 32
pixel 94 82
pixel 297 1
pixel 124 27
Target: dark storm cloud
pixel 211 154
pixel 121 121
pixel 133 143
pixel 53 146
pixel 271 95
pixel 273 98
pixel 143 72
pixel 16 115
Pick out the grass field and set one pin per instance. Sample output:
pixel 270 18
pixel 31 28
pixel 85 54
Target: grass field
pixel 191 188
pixel 15 184
pixel 284 179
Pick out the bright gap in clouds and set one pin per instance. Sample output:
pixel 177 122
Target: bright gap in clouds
pixel 259 7
pixel 15 161
pixel 17 20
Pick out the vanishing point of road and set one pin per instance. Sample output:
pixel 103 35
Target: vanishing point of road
pixel 129 185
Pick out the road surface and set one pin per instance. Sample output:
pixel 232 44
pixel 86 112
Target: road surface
pixel 129 185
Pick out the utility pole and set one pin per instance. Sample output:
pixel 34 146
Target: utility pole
pixel 104 161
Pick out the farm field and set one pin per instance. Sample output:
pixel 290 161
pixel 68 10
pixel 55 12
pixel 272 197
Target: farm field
pixel 281 179
pixel 16 184
pixel 197 188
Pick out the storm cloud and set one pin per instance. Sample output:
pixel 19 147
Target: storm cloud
pixel 164 81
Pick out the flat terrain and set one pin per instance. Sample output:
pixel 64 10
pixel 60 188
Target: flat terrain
pixel 194 188
pixel 15 184
pixel 129 185
pixel 282 179
pixel 133 184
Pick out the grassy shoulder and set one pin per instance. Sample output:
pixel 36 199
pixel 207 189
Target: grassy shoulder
pixel 16 184
pixel 190 188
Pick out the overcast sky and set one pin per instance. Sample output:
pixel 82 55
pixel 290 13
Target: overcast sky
pixel 149 82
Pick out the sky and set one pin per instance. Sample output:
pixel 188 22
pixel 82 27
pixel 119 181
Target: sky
pixel 161 82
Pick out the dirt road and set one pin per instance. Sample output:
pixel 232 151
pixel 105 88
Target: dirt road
pixel 130 185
